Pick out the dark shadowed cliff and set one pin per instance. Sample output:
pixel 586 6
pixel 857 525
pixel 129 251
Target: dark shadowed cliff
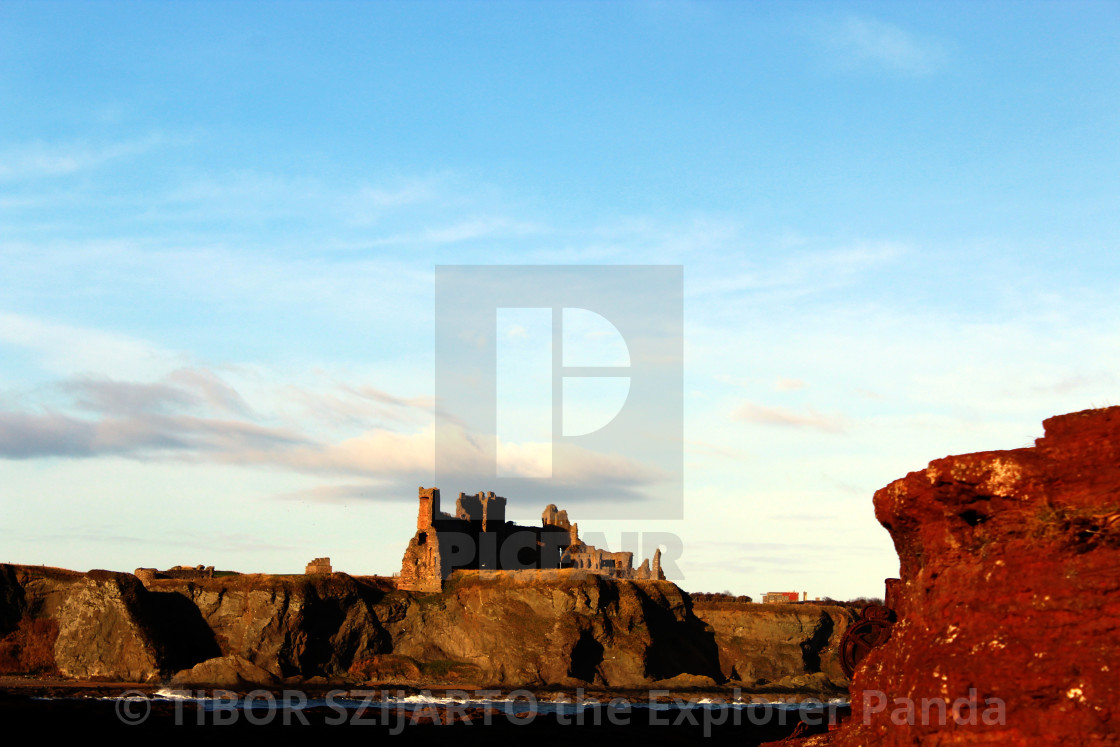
pixel 569 628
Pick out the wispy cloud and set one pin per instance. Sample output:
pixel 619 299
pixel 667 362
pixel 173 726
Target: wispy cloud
pixel 109 534
pixel 184 389
pixel 706 448
pixel 466 230
pixel 52 434
pixel 342 494
pixel 41 159
pixel 870 43
pixel 370 202
pixel 751 412
pixel 802 272
pixel 194 415
pixel 189 413
pixel 68 349
pixel 347 405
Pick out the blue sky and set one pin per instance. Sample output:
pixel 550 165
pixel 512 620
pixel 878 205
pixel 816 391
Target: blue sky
pixel 219 225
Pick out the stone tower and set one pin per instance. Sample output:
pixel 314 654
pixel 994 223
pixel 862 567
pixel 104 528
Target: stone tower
pixel 429 508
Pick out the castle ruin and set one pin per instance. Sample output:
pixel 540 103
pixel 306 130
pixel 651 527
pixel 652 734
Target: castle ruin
pixel 478 537
pixel 184 572
pixel 317 566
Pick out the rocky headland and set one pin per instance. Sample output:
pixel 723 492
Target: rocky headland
pixel 566 629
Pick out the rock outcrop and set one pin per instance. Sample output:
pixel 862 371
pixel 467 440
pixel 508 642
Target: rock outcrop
pixel 231 672
pixel 775 644
pixel 29 602
pixel 1009 603
pixel 110 627
pixel 576 627
pixel 287 625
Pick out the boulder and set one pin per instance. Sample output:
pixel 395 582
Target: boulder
pixel 685 681
pixel 230 672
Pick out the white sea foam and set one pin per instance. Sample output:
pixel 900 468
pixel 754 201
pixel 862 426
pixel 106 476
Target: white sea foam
pixel 169 694
pixel 558 704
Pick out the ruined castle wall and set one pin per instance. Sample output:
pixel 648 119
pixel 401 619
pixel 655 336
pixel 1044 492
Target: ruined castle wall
pixel 493 512
pixel 469 507
pixel 422 565
pixel 429 508
pixel 478 538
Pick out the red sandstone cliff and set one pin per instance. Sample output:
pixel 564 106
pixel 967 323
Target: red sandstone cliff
pixel 1009 594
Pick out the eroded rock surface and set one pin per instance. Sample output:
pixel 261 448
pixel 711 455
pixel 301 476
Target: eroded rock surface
pixel 766 644
pixel 108 629
pixel 233 672
pixel 580 627
pixel 1009 594
pixel 288 625
pixel 568 628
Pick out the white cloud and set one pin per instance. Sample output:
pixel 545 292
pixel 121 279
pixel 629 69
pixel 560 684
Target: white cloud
pixel 750 412
pixel 376 453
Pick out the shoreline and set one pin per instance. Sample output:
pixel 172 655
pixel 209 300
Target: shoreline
pixel 62 688
pixel 545 716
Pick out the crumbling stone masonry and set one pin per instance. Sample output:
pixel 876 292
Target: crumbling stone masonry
pixel 318 565
pixel 477 537
pixel 188 572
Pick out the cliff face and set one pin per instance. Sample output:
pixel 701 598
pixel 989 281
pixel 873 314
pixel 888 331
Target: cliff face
pixel 580 627
pixel 108 627
pixel 29 603
pixel 94 625
pixel 286 625
pixel 1009 594
pixel 570 628
pixel 778 643
pixel 34 591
